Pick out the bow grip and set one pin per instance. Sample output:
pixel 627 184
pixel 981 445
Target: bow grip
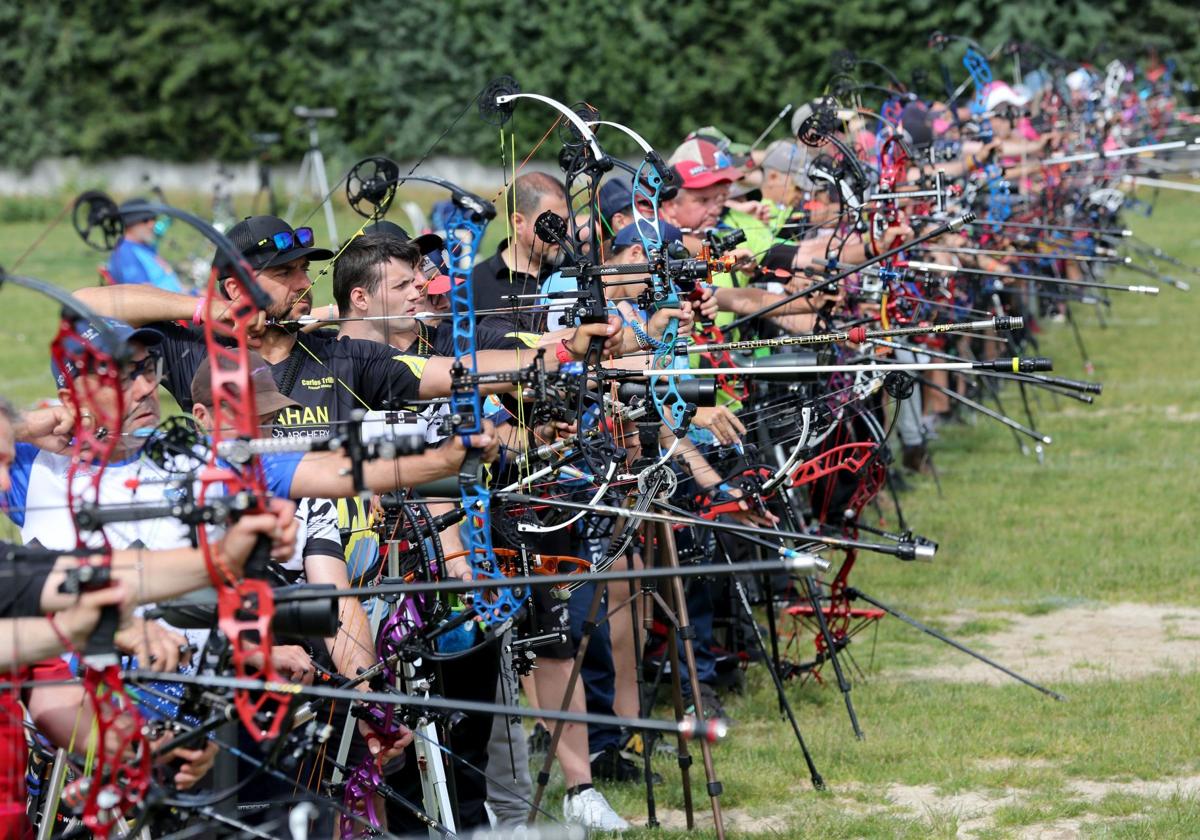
pixel 101 650
pixel 258 564
pixel 470 472
pixel 595 351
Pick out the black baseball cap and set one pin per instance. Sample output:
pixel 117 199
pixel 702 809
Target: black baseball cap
pixel 264 241
pixel 135 211
pixel 426 242
pixel 616 196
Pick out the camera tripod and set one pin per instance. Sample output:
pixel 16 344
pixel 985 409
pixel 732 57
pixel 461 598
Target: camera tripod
pixel 265 200
pixel 312 175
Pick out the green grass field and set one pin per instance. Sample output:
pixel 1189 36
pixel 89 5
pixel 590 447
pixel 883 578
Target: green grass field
pixel 1108 519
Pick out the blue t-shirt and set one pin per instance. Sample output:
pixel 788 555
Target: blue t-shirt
pixel 138 264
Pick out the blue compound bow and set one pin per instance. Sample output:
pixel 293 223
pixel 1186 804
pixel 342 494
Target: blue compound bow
pixel 651 179
pixel 370 188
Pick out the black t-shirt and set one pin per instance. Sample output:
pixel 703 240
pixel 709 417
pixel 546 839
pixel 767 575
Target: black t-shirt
pixel 491 284
pixel 503 332
pixel 23 580
pixel 328 376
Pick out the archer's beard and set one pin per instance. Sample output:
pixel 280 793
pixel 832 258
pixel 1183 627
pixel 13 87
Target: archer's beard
pixel 290 309
pixel 551 256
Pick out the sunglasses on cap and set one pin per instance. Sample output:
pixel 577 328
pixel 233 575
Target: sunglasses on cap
pixel 721 159
pixel 284 240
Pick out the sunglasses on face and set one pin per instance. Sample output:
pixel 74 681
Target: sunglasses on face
pixel 152 366
pixel 302 237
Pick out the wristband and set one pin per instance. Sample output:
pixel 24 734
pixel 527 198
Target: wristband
pixel 641 337
pixel 198 315
pixel 63 638
pixel 563 353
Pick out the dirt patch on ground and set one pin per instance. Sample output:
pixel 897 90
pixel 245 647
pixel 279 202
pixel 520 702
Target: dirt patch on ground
pixel 974 809
pixel 1013 763
pixel 1057 830
pixel 1186 786
pixel 1173 412
pixel 1120 641
pixel 738 822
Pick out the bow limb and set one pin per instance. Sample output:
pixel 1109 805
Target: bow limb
pixel 245 607
pixel 91 361
pixel 466 409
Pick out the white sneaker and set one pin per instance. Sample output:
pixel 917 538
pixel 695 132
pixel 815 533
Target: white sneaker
pixel 591 810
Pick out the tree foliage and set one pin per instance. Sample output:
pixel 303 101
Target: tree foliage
pixel 183 81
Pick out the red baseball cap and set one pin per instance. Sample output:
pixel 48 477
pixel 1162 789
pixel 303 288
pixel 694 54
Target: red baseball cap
pixel 439 285
pixel 700 163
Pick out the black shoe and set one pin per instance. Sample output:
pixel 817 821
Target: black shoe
pixel 914 458
pixel 711 703
pixel 610 766
pixel 539 740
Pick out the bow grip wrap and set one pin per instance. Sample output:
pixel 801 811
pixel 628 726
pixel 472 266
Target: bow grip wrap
pixel 100 650
pixel 593 313
pixel 470 472
pixel 258 564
